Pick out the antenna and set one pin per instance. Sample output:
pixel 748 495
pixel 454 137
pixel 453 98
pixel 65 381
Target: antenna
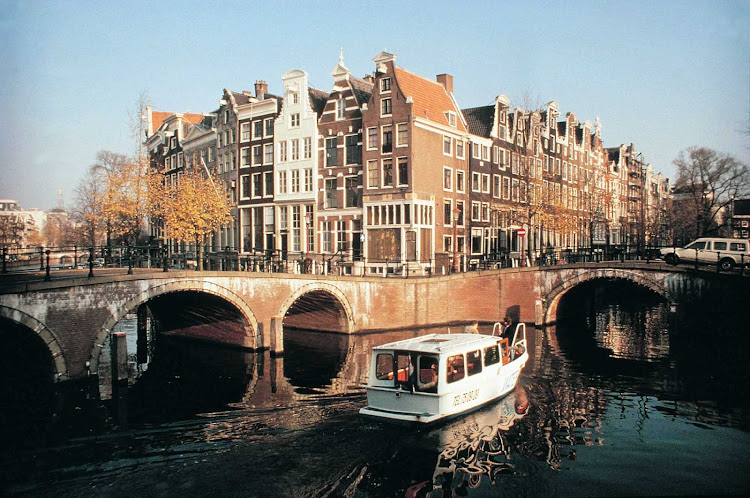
pixel 60 203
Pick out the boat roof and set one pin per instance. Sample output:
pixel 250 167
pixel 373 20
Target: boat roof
pixel 441 343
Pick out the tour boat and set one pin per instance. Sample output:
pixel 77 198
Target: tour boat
pixel 436 376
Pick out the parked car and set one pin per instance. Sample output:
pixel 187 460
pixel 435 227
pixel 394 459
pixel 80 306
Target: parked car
pixel 727 253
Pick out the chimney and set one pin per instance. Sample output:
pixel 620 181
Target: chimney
pixel 368 78
pixel 446 80
pixel 261 89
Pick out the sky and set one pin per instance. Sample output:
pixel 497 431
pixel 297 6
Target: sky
pixel 663 75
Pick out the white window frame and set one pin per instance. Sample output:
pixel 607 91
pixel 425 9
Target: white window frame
pixel 448 140
pixel 448 188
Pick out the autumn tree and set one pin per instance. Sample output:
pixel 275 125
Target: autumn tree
pixel 191 208
pixel 707 181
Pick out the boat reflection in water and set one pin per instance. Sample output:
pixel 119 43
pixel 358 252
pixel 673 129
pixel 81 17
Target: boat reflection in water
pixel 474 446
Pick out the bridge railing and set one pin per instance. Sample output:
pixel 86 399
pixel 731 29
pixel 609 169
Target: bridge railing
pixel 342 262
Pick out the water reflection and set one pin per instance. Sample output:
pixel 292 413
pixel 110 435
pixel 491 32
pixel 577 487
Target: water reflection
pixel 474 448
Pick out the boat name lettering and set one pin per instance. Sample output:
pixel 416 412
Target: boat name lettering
pixel 466 397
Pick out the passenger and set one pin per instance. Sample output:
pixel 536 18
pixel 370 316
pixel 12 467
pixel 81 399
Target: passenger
pixel 509 328
pixel 472 328
pixel 433 378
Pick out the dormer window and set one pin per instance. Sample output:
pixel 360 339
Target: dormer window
pixel 451 118
pixel 385 85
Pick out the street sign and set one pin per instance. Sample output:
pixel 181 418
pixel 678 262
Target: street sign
pixel 521 232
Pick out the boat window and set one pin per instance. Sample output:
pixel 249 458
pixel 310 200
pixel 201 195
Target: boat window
pixel 455 368
pixel 491 356
pixel 404 370
pixel 384 366
pixel 473 362
pixel 428 374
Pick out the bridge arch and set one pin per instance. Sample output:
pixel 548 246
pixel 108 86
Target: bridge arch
pixel 45 334
pixel 552 296
pixel 326 288
pixel 195 285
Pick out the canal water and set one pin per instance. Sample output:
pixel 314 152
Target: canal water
pixel 616 400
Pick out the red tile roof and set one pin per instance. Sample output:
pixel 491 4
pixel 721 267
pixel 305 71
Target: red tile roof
pixel 431 100
pixel 158 117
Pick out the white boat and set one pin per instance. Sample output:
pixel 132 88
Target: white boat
pixel 436 376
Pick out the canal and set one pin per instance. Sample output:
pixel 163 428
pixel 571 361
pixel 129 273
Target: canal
pixel 616 400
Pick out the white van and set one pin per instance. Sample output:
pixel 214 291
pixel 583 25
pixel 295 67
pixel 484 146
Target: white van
pixel 728 253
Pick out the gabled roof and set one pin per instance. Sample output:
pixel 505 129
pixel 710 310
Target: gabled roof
pixel 317 99
pixel 430 99
pixel 480 119
pixel 362 89
pixel 158 117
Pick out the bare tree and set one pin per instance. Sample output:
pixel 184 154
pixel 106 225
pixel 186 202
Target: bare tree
pixel 707 181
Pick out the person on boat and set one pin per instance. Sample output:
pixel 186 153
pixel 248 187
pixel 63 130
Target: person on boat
pixel 432 378
pixel 509 328
pixel 472 328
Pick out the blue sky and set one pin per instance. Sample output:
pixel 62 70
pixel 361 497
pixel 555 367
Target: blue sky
pixel 664 75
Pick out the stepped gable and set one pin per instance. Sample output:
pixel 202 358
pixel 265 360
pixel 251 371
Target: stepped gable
pixel 480 119
pixel 430 98
pixel 318 99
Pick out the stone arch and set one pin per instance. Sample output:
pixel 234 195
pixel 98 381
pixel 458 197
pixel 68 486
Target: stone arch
pixel 324 287
pixel 45 334
pixel 174 286
pixel 552 297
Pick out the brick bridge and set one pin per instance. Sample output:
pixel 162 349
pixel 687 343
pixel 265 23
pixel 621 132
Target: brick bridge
pixel 74 316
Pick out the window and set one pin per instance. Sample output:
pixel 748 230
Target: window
pixel 475 178
pixel 485 153
pixel 211 154
pixel 485 183
pixel 514 190
pixel 353 149
pixel 282 151
pixel 385 85
pixel 308 180
pixel 403 171
pixel 451 116
pixel 245 186
pixel 491 356
pixel 257 129
pixel 257 155
pixel 341 108
pixel 476 240
pixel 268 184
pixel 402 135
pixel 447 146
pixel 384 366
pixel 268 132
pixel 372 138
pixel 257 185
pixel 485 211
pixel 455 368
pixel 294 120
pixel 282 182
pixel 294 97
pixel 387 172
pixel 428 374
pixel 460 149
pixel 447 178
pixel 327 236
pixel 352 197
pixel 475 150
pixel 268 154
pixel 245 132
pixel 496 186
pixel 306 148
pixel 448 212
pixel 331 151
pixel 495 153
pixel 295 149
pixel 387 139
pixel 737 246
pixel 460 181
pixel 385 107
pixel 330 194
pixel 475 215
pixel 373 176
pixel 295 181
pixel 341 236
pixel 460 207
pixel 244 157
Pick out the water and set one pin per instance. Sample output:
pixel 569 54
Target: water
pixel 615 400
